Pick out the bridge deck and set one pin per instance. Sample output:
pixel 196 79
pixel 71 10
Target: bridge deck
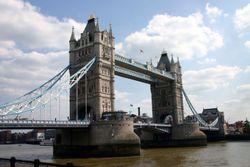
pixel 41 124
pixel 49 124
pixel 209 128
pixel 130 74
pixel 152 125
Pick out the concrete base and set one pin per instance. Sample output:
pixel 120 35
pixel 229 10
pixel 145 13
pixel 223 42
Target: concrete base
pixel 102 138
pixel 188 134
pixel 184 135
pixel 214 135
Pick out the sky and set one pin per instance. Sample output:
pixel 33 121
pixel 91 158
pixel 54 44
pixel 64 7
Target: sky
pixel 211 39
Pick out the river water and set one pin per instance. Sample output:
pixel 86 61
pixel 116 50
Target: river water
pixel 233 154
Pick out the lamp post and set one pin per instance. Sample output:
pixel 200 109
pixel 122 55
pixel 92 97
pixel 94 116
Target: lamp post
pixel 131 109
pixel 139 111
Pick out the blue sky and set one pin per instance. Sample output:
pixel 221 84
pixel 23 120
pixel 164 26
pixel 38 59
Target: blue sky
pixel 211 38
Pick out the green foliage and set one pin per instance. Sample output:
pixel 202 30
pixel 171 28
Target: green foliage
pixel 246 127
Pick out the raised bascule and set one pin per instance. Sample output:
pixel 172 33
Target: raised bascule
pixel 94 128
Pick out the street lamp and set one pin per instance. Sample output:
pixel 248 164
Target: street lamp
pixel 131 109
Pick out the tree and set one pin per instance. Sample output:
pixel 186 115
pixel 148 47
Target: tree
pixel 246 127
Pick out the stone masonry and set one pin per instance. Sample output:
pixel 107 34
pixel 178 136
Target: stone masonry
pixel 167 102
pixel 100 79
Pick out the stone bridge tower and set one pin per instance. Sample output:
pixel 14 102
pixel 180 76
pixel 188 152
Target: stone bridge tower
pixel 100 79
pixel 167 102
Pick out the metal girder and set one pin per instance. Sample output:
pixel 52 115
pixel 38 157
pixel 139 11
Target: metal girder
pixel 42 124
pixel 42 95
pixel 208 128
pixel 198 117
pixel 147 69
pixel 127 73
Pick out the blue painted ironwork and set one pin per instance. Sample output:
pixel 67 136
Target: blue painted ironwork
pixel 42 95
pixel 147 68
pixel 124 72
pixel 201 121
pixel 37 124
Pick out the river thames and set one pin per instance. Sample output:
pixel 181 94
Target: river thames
pixel 215 154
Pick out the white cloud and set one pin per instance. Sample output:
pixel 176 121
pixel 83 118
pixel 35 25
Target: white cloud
pixel 207 61
pixel 23 23
pixel 119 48
pixel 124 102
pixel 198 103
pixel 145 106
pixel 237 108
pixel 235 105
pixel 20 72
pixel 24 27
pixel 247 70
pixel 209 78
pixel 122 95
pixel 213 12
pixel 225 14
pixel 244 87
pixel 247 44
pixel 186 37
pixel 242 19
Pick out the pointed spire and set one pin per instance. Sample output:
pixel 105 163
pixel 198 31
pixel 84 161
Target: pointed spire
pixel 92 16
pixel 178 62
pixel 164 51
pixel 97 28
pixel 110 30
pixel 72 38
pixel 172 59
pixel 151 62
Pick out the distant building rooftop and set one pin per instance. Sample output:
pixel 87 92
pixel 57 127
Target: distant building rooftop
pixel 210 111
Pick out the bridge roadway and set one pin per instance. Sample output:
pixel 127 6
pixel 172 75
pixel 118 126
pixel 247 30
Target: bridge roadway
pixel 51 124
pixel 41 124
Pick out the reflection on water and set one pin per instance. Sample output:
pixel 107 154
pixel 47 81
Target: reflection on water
pixel 215 154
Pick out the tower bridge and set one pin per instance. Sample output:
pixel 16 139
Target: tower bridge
pixel 93 65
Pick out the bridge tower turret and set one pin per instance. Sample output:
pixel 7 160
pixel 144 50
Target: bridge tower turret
pixel 100 79
pixel 175 69
pixel 72 41
pixel 167 101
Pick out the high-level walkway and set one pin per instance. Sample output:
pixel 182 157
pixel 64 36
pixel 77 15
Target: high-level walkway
pixel 129 68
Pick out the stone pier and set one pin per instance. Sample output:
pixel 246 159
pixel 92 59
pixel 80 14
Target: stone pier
pixel 102 138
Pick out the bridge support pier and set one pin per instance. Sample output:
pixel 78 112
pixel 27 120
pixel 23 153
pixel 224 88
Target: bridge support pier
pixel 181 135
pixel 102 138
pixel 188 134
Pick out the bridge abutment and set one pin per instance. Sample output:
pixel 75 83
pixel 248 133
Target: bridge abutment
pixel 188 134
pixel 181 135
pixel 102 138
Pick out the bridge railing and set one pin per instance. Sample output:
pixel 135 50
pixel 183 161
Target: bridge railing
pixel 36 163
pixel 48 122
pixel 153 125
